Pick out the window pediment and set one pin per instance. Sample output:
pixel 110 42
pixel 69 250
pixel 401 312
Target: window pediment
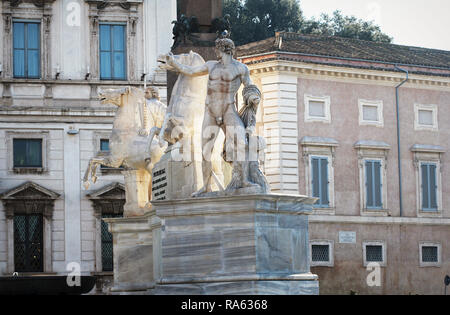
pixel 29 190
pixel 29 198
pixel 108 200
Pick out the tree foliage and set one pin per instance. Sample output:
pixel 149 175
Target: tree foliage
pixel 254 20
pixel 345 26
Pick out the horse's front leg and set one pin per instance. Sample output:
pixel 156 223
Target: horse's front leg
pixel 92 167
pixel 92 163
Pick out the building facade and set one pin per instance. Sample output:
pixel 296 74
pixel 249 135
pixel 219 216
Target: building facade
pixel 55 57
pixel 329 115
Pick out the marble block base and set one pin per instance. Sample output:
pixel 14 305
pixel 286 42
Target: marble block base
pixel 133 242
pixel 307 284
pixel 248 244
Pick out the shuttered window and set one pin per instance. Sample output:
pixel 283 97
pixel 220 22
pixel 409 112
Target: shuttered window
pixel 429 186
pixel 112 52
pixel 26 50
pixel 373 185
pixel 320 181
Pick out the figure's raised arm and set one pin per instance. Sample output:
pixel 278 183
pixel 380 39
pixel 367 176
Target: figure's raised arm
pixel 169 62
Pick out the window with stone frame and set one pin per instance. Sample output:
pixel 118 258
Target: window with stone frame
pixel 27 39
pixel 426 117
pixel 112 51
pixel 372 157
pixel 27 151
pixel 321 253
pixel 374 252
pixel 430 254
pixel 427 164
pixel 319 157
pixel 108 202
pixel 28 212
pixel 317 108
pixel 371 113
pixel 26 49
pixel 113 25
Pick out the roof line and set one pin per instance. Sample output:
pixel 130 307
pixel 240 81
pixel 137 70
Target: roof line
pixel 343 58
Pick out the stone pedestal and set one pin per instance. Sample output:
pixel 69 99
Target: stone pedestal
pixel 137 186
pixel 133 242
pixel 251 244
pixel 186 177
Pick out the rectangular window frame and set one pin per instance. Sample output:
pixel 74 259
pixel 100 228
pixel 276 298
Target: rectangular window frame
pixel 421 127
pixel 383 251
pixel 320 147
pixel 379 105
pixel 125 52
pixel 330 262
pixel 439 254
pixel 25 42
pixel 28 165
pixel 366 194
pixel 326 100
pixel 43 135
pixel 372 150
pixel 428 183
pixel 329 171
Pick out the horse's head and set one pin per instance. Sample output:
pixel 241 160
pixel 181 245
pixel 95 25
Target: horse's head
pixel 113 96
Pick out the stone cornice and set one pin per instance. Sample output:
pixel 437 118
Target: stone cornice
pixel 347 73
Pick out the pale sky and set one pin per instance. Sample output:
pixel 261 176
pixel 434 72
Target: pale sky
pixel 422 23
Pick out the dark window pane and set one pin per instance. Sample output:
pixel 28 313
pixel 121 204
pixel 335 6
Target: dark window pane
pixel 429 254
pixel 425 187
pixel 104 145
pixel 27 152
pixel 374 253
pixel 320 253
pixel 28 243
pixel 377 183
pixel 315 178
pixel 324 181
pixel 107 244
pixel 433 187
pixel 369 184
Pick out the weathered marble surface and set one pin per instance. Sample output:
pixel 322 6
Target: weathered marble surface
pixel 134 252
pixel 257 287
pixel 255 244
pixel 138 119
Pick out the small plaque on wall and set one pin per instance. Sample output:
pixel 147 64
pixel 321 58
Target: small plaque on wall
pixel 346 237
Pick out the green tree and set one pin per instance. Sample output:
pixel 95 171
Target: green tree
pixel 254 20
pixel 345 26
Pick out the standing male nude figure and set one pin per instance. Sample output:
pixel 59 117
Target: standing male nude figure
pixel 225 78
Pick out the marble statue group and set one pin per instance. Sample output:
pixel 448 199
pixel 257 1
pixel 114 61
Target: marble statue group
pixel 202 120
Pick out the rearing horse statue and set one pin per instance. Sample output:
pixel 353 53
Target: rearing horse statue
pixel 132 144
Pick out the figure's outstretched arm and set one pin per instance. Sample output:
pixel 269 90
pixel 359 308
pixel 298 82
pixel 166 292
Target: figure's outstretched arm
pixel 169 62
